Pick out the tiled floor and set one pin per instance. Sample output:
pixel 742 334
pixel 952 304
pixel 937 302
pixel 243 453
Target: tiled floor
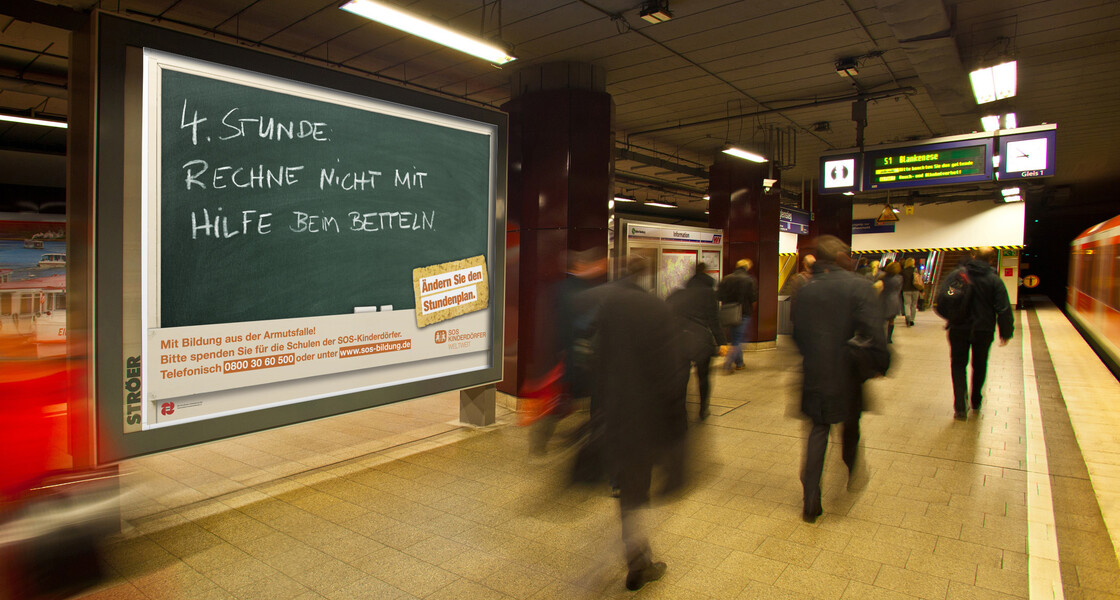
pixel 400 502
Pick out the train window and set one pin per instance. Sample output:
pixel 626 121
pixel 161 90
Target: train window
pixel 1085 277
pixel 1113 283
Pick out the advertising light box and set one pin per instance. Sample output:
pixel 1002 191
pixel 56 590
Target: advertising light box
pixel 296 243
pixel 961 161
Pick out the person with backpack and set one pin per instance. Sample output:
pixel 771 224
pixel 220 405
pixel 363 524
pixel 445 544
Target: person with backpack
pixel 973 301
pixel 738 288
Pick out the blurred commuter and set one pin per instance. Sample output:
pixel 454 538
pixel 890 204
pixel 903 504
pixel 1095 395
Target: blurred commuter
pixel 696 304
pixel 891 297
pixel 577 299
pixel 838 328
pixel 641 377
pixel 912 288
pixel 801 278
pixel 738 288
pixel 988 307
pixel 874 273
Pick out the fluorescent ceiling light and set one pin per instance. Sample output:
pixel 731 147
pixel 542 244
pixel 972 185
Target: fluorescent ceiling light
pixel 1009 121
pixel 1015 198
pixel 849 193
pixel 624 199
pixel 991 122
pixel 707 197
pixel 993 83
pixel 30 121
pixel 739 153
pixel 661 204
pixel 409 23
pixel 610 205
pixel 655 11
pixel 1011 191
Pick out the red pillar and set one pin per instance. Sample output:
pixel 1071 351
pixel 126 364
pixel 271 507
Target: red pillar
pixel 560 170
pixel 831 215
pixel 749 219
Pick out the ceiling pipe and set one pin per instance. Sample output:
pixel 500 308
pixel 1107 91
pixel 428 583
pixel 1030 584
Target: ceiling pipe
pixel 902 91
pixel 26 86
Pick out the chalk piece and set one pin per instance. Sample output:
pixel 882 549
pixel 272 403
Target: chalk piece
pixel 450 289
pixel 365 309
pixel 385 307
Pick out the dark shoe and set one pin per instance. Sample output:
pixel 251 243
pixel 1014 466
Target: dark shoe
pixel 636 579
pixel 960 415
pixel 616 492
pixel 740 367
pixel 810 516
pixel 704 413
pixel 858 477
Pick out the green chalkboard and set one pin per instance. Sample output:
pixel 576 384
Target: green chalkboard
pixel 281 201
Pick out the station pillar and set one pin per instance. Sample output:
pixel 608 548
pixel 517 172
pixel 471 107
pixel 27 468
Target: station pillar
pixel 831 215
pixel 749 219
pixel 561 143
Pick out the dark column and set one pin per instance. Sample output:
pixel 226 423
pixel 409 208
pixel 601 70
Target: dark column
pixel 831 215
pixel 749 220
pixel 560 170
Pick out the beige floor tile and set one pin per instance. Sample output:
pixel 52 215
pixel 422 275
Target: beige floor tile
pixel 919 584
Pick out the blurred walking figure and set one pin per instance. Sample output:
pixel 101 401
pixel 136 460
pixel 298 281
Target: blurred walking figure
pixel 838 327
pixel 891 297
pixel 696 304
pixel 738 288
pixel 577 299
pixel 912 288
pixel 641 377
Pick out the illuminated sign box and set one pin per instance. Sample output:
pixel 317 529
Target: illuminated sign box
pixel 966 160
pixel 840 173
pixel 1028 153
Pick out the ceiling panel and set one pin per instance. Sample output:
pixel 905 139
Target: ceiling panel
pixel 714 59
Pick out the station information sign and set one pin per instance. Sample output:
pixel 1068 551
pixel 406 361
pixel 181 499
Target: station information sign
pixel 962 161
pixel 1028 154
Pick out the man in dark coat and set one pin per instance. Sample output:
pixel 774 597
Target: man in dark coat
pixel 988 306
pixel 641 377
pixel 739 287
pixel 838 327
pixel 696 304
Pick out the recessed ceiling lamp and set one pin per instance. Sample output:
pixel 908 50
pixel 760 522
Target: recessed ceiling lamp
pixel 33 121
pixel 409 23
pixel 740 153
pixel 1015 198
pixel 655 11
pixel 993 83
pixel 992 123
pixel 849 193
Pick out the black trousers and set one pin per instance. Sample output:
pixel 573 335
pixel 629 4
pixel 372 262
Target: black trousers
pixel 814 457
pixel 963 342
pixel 703 370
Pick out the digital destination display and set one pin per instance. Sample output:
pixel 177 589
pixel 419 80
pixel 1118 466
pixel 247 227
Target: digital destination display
pixel 931 164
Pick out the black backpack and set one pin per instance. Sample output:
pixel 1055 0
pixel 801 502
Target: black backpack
pixel 955 297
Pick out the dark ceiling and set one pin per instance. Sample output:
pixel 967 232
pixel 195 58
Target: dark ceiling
pixel 719 71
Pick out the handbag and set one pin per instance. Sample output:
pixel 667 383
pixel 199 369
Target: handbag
pixel 730 314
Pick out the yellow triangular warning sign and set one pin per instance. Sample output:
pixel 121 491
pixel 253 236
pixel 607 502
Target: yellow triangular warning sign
pixel 887 216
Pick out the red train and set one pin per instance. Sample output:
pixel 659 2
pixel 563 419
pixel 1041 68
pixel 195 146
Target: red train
pixel 1093 296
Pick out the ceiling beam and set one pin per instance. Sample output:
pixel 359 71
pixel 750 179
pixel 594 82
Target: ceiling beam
pixel 44 14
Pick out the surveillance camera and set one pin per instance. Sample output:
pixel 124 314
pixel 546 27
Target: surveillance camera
pixel 768 184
